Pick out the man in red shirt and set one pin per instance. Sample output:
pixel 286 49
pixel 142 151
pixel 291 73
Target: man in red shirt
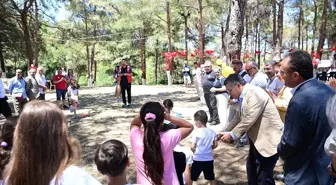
pixel 61 87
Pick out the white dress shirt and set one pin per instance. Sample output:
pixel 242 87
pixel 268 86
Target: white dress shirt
pixel 2 89
pixel 259 80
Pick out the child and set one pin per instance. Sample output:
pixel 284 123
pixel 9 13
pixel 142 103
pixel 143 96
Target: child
pixel 6 144
pixel 112 159
pixel 203 142
pixel 182 158
pixel 73 97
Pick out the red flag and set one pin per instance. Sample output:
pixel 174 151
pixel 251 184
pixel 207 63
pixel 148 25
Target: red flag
pixel 257 52
pixel 209 52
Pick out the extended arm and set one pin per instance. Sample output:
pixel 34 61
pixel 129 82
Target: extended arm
pixel 255 104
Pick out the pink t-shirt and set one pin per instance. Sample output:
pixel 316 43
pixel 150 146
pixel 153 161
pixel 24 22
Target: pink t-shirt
pixel 169 140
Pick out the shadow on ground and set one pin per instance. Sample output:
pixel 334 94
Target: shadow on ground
pixel 105 119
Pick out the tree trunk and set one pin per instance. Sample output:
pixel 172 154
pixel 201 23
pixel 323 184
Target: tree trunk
pixel 87 50
pixel 156 61
pixel 27 38
pixel 236 28
pixel 307 37
pixel 95 71
pixel 186 35
pixel 2 60
pixel 299 26
pixel 171 62
pixel 224 42
pixel 169 27
pixel 37 35
pixel 142 54
pixel 259 43
pixel 323 28
pixel 92 61
pixel 280 28
pixel 314 26
pixel 200 32
pixel 274 24
pixel 246 34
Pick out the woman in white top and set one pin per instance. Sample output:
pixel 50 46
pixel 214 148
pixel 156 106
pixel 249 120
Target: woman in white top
pixel 43 152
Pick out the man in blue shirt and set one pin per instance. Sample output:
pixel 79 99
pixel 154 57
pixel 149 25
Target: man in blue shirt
pixel 17 88
pixel 186 74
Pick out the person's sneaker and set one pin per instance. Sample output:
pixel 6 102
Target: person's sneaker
pixel 71 109
pixel 128 105
pixel 210 120
pixel 65 107
pixel 280 177
pixel 214 123
pixel 124 106
pixel 241 144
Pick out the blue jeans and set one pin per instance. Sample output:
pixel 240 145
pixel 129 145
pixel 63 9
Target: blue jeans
pixel 60 94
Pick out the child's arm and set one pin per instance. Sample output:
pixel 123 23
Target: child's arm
pixel 214 144
pixel 193 147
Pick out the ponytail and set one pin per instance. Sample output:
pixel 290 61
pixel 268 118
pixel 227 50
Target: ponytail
pixel 153 159
pixel 152 114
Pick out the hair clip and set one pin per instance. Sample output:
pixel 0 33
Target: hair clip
pixel 150 116
pixel 3 144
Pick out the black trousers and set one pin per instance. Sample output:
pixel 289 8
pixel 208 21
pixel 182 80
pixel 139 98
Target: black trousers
pixel 260 169
pixel 211 102
pixel 4 108
pixel 126 87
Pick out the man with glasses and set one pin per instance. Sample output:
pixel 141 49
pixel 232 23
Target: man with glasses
pixel 17 88
pixel 258 117
pixel 274 85
pixel 258 78
pixel 209 78
pixel 306 123
pixel 237 66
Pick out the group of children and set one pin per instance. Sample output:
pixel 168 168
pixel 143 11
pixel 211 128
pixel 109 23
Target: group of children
pixel 112 159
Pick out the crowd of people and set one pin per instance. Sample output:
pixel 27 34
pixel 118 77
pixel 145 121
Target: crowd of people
pixel 285 113
pixel 34 87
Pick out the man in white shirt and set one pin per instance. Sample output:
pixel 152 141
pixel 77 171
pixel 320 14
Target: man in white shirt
pixel 4 106
pixel 41 80
pixel 258 78
pixel 274 84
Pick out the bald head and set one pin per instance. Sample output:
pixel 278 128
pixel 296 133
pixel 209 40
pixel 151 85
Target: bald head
pixel 251 68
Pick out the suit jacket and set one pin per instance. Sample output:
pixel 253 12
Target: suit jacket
pixel 32 88
pixel 258 117
pixel 306 129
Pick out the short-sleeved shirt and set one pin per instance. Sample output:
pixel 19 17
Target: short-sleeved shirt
pixel 186 71
pixel 219 83
pixel 74 175
pixel 203 138
pixel 208 80
pixel 41 80
pixel 61 85
pixel 169 140
pixel 123 79
pixel 259 80
pixel 274 85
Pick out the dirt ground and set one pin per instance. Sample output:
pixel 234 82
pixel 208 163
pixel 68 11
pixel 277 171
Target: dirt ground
pixel 102 118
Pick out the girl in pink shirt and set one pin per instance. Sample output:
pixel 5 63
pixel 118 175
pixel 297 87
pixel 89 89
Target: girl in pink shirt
pixel 152 149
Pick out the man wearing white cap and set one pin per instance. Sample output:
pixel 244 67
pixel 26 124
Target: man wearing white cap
pixel 209 78
pixel 17 88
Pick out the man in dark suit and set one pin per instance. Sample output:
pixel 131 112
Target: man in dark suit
pixel 306 124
